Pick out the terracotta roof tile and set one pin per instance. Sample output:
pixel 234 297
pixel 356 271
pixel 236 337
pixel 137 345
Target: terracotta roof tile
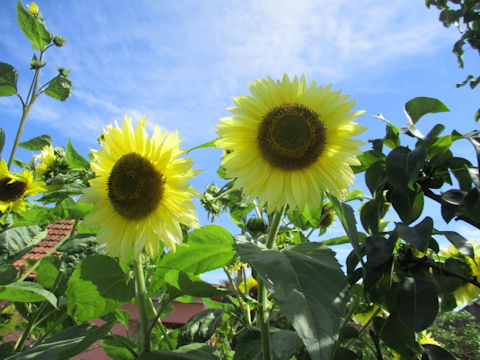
pixel 56 231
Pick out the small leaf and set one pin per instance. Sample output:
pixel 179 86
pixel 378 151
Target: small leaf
pixel 205 145
pixel 74 159
pixel 60 88
pixel 8 80
pixel 417 303
pixel 26 292
pixel 47 271
pixel 419 106
pixel 200 327
pixel 419 236
pixel 474 138
pixel 33 28
pixel 37 143
pixel 435 352
pixel 8 274
pixel 379 249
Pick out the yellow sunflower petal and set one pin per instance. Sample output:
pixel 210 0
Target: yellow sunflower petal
pixel 141 193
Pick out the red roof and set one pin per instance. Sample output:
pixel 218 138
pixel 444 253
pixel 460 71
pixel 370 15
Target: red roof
pixel 56 232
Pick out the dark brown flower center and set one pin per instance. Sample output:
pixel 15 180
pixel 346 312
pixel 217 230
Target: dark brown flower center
pixel 11 191
pixel 135 187
pixel 291 136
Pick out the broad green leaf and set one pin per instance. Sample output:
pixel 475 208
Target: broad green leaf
pixel 370 216
pixel 16 242
pixel 8 80
pixel 345 354
pixel 207 248
pixel 293 276
pixel 26 292
pixel 379 249
pixel 205 145
pixel 74 159
pixel 47 271
pixel 398 337
pixel 376 177
pixel 460 168
pixel 474 138
pixel 347 218
pixel 182 283
pixel 33 28
pixel 283 344
pixel 8 274
pixel 66 344
pixel 41 215
pixel 403 166
pixel 367 159
pixel 195 351
pixel 459 242
pixel 418 236
pixel 60 88
pixel 200 327
pixel 97 286
pixel 409 206
pixel 445 284
pixel 417 303
pixel 37 143
pixel 419 106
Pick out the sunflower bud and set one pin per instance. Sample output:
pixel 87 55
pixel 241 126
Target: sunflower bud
pixel 327 217
pixel 256 226
pixel 59 41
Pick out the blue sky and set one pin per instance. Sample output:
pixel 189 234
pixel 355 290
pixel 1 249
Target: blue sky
pixel 180 62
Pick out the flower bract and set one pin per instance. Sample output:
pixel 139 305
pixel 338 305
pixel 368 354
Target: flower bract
pixel 289 141
pixel 15 188
pixel 141 191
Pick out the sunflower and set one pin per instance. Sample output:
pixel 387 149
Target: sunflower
pixel 140 191
pixel 14 188
pixel 466 293
pixel 289 141
pixel 252 287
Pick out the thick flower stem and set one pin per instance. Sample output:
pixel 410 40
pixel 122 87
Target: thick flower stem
pixel 142 303
pixel 263 315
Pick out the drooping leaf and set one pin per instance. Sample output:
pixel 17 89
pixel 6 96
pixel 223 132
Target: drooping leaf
pixel 60 88
pixel 409 205
pixel 26 292
pixel 65 344
pixel 459 242
pixel 283 344
pixel 379 249
pixel 292 277
pixel 97 286
pixel 419 106
pixel 37 143
pixel 200 327
pixel 74 159
pixel 16 242
pixel 417 303
pixel 33 28
pixel 434 352
pixel 8 80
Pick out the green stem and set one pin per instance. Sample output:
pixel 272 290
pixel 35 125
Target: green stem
pixel 245 311
pixel 263 314
pixel 31 324
pixel 27 106
pixel 142 304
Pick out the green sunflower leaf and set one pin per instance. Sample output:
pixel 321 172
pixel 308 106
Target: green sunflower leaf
pixel 26 292
pixel 419 106
pixel 195 351
pixel 59 88
pixel 16 242
pixel 292 276
pixel 74 159
pixel 200 327
pixel 182 283
pixel 97 286
pixel 8 80
pixel 33 28
pixel 37 143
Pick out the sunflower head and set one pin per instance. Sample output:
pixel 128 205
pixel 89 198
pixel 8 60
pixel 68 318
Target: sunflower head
pixel 252 287
pixel 141 191
pixel 15 188
pixel 49 163
pixel 289 141
pixel 466 293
